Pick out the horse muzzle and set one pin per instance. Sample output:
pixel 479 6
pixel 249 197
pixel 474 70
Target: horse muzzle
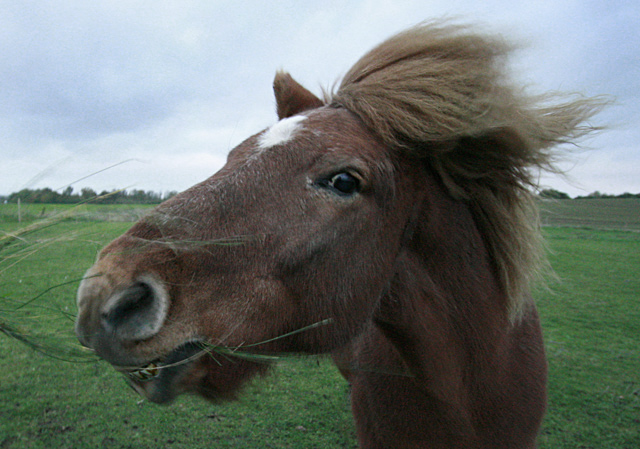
pixel 118 322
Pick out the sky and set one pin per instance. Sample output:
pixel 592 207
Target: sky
pixel 152 95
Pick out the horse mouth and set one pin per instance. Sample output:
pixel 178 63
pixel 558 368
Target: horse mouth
pixel 161 380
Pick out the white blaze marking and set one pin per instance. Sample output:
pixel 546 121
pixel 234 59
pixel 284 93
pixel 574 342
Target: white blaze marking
pixel 281 132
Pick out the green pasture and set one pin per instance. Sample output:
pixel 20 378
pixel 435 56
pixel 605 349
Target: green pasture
pixel 28 213
pixel 591 319
pixel 599 213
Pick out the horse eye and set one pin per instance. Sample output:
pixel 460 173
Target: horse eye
pixel 343 183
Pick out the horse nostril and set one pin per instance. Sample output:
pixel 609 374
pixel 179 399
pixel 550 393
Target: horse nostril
pixel 136 313
pixel 130 303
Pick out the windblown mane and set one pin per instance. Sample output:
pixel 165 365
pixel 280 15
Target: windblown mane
pixel 440 91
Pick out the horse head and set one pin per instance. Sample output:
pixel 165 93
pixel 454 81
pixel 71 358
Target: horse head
pixel 391 224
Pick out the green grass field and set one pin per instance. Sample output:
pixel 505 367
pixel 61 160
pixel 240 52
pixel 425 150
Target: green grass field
pixel 591 320
pixel 599 213
pixel 12 213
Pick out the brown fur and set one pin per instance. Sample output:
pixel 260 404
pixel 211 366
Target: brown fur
pixel 440 92
pixel 417 282
pixel 291 97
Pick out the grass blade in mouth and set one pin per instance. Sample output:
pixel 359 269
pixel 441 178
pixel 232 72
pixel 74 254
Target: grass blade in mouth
pixel 149 372
pixel 240 351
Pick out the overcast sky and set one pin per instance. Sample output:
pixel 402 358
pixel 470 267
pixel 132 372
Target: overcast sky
pixel 160 91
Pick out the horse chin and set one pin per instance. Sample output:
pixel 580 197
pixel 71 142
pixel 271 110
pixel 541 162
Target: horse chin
pixel 191 368
pixel 162 380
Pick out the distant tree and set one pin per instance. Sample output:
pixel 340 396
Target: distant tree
pixel 87 193
pixel 553 194
pixel 23 195
pixel 49 196
pixel 598 194
pixel 168 195
pixel 46 195
pixel 629 195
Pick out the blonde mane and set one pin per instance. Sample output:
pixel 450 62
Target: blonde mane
pixel 441 92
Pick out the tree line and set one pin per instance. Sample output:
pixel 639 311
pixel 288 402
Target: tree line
pixel 553 194
pixel 68 196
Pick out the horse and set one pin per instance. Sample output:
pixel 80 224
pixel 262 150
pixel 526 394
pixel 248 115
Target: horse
pixel 389 223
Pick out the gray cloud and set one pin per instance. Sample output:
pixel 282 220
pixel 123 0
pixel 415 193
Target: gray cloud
pixel 175 85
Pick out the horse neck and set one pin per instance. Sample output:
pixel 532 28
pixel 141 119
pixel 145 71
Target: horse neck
pixel 440 360
pixel 444 312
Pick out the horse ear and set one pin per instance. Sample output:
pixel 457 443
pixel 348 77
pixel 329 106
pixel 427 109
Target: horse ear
pixel 291 97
